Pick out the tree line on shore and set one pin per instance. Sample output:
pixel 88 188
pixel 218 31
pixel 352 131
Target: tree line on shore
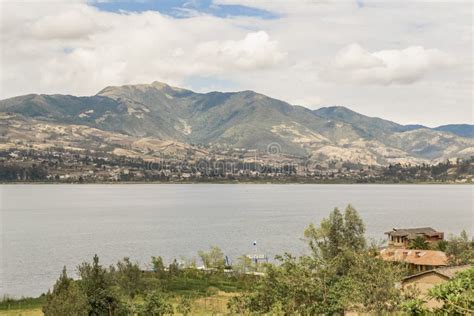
pixel 43 166
pixel 342 272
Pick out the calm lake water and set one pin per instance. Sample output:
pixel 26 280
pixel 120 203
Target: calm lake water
pixel 44 227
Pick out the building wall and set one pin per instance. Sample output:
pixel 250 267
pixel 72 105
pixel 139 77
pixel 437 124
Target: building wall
pixel 403 242
pixel 424 283
pixel 417 268
pixel 397 242
pixel 434 239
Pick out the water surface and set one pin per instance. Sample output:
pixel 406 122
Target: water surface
pixel 44 227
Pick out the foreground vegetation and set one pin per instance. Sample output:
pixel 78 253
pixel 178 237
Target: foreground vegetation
pixel 8 303
pixel 341 273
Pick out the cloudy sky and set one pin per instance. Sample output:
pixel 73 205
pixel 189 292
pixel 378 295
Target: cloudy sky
pixel 406 61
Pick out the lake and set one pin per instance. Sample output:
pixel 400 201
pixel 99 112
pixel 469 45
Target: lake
pixel 44 227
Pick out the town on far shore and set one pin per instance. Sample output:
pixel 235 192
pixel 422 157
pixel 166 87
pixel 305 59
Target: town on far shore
pixel 58 165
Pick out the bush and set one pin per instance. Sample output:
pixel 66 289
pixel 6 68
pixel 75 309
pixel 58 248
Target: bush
pixel 184 305
pixel 457 295
pixel 66 298
pixel 156 304
pixel 460 250
pixel 341 274
pixel 212 290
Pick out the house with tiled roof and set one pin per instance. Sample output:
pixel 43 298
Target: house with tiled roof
pixel 417 260
pixel 424 281
pixel 401 237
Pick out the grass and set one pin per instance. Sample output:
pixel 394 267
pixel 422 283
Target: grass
pixel 27 303
pixel 203 286
pixel 22 312
pixel 209 294
pixel 205 305
pixel 210 305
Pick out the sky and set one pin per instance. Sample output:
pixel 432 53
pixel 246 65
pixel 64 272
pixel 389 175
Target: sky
pixel 407 61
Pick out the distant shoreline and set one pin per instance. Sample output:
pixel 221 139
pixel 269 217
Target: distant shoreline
pixel 231 183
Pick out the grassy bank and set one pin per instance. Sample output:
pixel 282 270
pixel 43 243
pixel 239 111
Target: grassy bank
pixel 23 306
pixel 208 292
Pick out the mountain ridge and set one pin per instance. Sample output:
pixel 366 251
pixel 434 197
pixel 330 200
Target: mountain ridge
pixel 464 130
pixel 245 119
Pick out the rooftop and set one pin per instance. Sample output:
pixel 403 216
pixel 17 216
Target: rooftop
pixel 414 256
pixel 447 272
pixel 412 231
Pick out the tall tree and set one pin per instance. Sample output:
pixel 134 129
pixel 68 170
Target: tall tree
pixel 95 282
pixel 327 240
pixel 341 274
pixel 354 230
pixel 158 265
pixel 460 250
pixel 214 259
pixel 128 277
pixel 66 298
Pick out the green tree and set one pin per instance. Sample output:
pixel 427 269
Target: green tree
pixel 460 250
pixel 419 243
pixel 214 259
pixel 456 295
pixel 374 282
pixel 158 265
pixel 96 282
pixel 327 240
pixel 156 304
pixel 188 263
pixel 66 298
pixel 341 274
pixel 442 245
pixel 244 264
pixel 173 268
pixel 128 277
pixel 354 230
pixel 335 233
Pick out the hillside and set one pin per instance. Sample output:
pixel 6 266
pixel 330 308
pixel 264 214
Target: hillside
pixel 464 130
pixel 160 113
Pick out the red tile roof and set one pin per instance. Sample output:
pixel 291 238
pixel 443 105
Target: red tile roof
pixel 447 272
pixel 414 256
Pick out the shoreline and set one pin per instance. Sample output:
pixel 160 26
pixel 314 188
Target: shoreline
pixel 232 183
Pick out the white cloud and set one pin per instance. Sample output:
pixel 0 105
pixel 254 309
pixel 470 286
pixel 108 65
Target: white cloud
pixel 72 24
pixel 404 59
pixel 404 66
pixel 255 51
pixel 78 49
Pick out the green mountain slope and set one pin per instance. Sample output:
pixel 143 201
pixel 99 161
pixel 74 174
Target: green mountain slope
pixel 464 130
pixel 242 119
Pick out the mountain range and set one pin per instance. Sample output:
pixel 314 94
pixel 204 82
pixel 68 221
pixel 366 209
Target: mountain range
pixel 143 119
